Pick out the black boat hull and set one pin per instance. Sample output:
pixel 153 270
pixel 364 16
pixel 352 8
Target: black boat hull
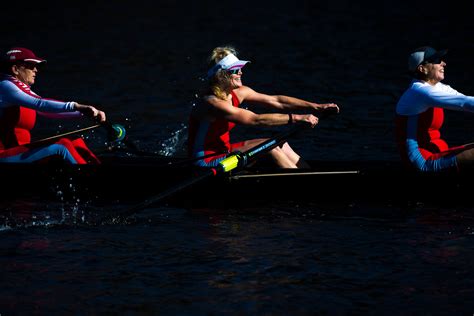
pixel 131 180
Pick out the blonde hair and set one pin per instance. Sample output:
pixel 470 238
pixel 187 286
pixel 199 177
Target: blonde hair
pixel 220 52
pixel 219 83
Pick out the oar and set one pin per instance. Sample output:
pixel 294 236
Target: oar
pixel 116 132
pixel 235 160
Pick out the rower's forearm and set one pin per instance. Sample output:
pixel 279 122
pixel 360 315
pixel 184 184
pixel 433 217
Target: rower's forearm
pixel 272 119
pixel 292 103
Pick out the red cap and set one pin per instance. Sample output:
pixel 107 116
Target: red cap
pixel 22 54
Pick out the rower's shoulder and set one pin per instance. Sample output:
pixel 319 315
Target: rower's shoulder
pixel 4 83
pixel 214 101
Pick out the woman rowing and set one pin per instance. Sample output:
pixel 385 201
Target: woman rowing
pixel 19 106
pixel 218 111
pixel 420 115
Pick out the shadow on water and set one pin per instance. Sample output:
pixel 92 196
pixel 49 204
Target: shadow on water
pixel 358 258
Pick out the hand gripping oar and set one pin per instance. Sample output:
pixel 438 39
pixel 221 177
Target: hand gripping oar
pixel 234 161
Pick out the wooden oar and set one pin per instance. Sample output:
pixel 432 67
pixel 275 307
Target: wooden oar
pixel 115 131
pixel 55 137
pixel 236 160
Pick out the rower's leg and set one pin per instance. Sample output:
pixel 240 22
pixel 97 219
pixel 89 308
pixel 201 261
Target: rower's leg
pixel 278 155
pixel 72 150
pixel 85 152
pixel 281 158
pixel 294 157
pixel 42 154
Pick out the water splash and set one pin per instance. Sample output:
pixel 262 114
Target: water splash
pixel 175 143
pixel 38 213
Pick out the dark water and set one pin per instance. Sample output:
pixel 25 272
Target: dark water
pixel 142 62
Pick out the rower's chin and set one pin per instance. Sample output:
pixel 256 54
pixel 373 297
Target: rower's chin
pixel 237 85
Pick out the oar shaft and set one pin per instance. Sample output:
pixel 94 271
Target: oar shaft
pixel 116 129
pixel 48 139
pixel 271 143
pixel 154 199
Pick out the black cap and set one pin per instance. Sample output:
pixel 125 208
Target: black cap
pixel 424 54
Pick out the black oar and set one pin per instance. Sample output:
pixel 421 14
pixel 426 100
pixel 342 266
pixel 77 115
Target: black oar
pixel 235 160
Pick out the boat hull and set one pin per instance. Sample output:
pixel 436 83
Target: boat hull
pixel 131 180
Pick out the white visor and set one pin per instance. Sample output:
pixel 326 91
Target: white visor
pixel 229 62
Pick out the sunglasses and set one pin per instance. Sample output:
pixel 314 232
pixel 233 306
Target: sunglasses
pixel 30 66
pixel 234 71
pixel 437 60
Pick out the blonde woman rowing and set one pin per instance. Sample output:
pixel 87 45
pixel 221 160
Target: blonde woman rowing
pixel 218 111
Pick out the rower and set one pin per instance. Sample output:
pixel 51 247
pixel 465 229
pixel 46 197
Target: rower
pixel 19 106
pixel 219 110
pixel 420 115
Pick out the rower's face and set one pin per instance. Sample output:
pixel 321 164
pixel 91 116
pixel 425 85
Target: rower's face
pixel 434 71
pixel 25 72
pixel 236 78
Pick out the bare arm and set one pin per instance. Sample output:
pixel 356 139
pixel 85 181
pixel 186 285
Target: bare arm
pixel 221 108
pixel 282 102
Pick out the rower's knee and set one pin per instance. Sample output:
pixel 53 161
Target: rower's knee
pixel 281 158
pixel 66 143
pixel 277 152
pixel 61 151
